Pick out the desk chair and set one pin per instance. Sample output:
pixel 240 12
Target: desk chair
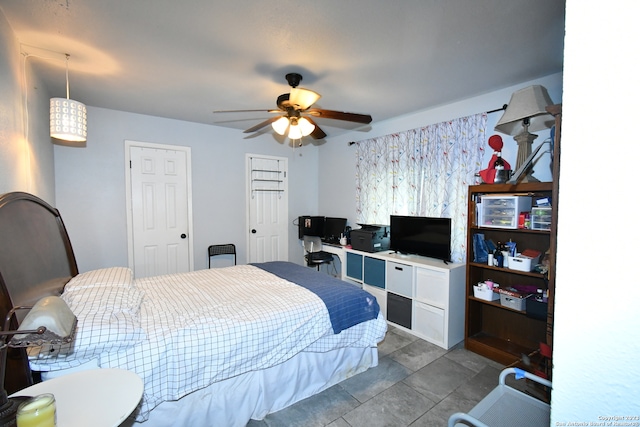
pixel 315 256
pixel 227 249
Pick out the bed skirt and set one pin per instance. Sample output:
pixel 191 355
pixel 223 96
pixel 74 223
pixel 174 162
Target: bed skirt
pixel 253 395
pixel 233 402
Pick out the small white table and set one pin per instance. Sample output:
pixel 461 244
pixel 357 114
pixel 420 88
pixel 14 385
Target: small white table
pixel 96 397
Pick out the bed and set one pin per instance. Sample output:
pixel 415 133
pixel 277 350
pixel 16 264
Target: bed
pixel 213 347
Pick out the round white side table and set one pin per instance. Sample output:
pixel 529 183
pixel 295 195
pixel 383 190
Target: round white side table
pixel 96 397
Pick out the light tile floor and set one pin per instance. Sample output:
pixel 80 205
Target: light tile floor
pixel 415 384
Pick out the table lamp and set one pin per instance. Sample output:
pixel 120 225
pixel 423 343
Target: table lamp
pixel 49 321
pixel 526 112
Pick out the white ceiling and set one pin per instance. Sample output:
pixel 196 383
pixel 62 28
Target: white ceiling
pixel 184 59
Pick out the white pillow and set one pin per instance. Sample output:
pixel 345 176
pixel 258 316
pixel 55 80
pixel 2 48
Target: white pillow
pixel 103 299
pixel 111 276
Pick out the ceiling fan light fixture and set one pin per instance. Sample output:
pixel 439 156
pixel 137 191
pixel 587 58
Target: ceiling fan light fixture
pixel 303 98
pixel 294 131
pixel 280 125
pixel 306 127
pixel 291 107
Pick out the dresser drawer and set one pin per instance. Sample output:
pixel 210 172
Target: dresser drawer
pixel 429 322
pixel 432 287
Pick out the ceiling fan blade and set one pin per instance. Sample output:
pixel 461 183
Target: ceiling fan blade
pixel 317 132
pixel 340 115
pixel 303 98
pixel 262 124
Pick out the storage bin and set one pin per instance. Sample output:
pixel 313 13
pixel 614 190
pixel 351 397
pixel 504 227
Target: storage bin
pixel 541 218
pixel 502 211
pixel 400 279
pixel 485 293
pixel 513 301
pixel 399 310
pixel 536 309
pixel 522 263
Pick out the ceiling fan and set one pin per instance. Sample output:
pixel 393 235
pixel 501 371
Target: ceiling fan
pixel 295 114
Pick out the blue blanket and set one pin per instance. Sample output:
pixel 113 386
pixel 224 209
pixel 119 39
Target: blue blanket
pixel 347 304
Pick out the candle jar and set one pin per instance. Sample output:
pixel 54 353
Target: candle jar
pixel 39 411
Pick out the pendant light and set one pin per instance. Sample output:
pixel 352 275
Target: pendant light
pixel 67 118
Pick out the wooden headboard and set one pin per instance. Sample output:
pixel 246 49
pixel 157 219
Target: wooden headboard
pixel 36 260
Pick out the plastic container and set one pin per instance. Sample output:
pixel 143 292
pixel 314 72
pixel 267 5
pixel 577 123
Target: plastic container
pixel 541 218
pixel 522 263
pixel 514 302
pixel 484 293
pixel 536 308
pixel 502 211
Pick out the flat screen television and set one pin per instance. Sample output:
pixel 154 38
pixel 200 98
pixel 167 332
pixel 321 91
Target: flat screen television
pixel 419 235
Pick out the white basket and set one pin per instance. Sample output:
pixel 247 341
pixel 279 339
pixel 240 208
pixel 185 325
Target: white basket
pixel 484 293
pixel 522 263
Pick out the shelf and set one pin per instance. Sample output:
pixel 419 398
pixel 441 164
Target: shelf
pixel 498 349
pixel 522 188
pixel 492 330
pixel 496 303
pixel 479 229
pixel 508 270
pixel 266 170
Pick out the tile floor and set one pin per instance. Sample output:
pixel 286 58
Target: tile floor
pixel 415 384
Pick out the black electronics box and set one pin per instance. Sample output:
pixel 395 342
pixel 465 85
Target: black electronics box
pixel 310 226
pixel 370 238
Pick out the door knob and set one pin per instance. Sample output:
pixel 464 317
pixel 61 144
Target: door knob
pixel 253 231
pixel 183 236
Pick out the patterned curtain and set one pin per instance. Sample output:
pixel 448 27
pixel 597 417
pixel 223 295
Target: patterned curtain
pixel 422 172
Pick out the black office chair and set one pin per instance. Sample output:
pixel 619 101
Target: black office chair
pixel 315 256
pixel 227 249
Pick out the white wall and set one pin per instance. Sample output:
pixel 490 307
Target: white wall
pixel 338 160
pixel 597 328
pixel 26 154
pixel 90 184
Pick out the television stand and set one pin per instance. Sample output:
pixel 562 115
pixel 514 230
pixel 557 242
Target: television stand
pixel 422 296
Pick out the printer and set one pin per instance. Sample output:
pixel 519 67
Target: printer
pixel 370 238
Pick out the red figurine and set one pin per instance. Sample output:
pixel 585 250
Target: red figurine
pixel 498 170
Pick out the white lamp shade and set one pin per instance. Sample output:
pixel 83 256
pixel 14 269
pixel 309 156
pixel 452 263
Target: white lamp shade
pixel 280 125
pixel 531 103
pixel 295 132
pixel 67 119
pixel 303 98
pixel 306 127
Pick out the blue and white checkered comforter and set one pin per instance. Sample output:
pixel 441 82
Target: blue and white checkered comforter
pixel 182 332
